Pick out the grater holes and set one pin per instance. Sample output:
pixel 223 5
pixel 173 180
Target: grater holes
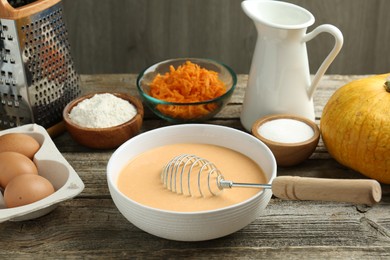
pixel 38 31
pixel 48 72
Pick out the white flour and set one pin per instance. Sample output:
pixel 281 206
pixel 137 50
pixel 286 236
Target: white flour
pixel 102 110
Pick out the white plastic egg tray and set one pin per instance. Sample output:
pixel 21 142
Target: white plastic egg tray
pixel 51 165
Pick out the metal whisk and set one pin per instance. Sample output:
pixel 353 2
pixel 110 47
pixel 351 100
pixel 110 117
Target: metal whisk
pixel 187 172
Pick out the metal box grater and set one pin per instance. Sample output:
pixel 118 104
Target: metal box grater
pixel 37 77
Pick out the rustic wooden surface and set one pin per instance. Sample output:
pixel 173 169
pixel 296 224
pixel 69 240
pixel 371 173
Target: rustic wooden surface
pixel 125 36
pixel 90 226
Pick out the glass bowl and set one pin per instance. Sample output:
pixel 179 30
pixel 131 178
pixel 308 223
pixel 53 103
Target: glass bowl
pixel 169 110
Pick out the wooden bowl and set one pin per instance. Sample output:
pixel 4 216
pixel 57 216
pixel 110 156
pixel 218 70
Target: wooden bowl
pixel 288 153
pixel 104 138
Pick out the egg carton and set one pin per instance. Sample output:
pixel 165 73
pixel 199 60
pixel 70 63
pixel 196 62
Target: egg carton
pixel 51 165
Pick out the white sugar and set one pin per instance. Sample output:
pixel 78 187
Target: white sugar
pixel 286 131
pixel 102 110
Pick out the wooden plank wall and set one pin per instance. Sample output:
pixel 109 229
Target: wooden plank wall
pixel 124 36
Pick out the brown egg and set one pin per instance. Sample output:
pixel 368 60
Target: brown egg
pixel 13 164
pixel 26 189
pixel 21 143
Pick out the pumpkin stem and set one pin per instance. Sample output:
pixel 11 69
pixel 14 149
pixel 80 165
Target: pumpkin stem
pixel 387 84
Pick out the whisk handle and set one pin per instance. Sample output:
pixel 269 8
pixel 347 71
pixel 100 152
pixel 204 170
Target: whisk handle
pixel 319 189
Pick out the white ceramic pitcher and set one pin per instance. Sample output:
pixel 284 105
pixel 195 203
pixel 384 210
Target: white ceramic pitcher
pixel 279 78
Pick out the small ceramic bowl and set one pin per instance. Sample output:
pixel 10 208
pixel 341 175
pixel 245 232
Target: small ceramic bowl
pixel 109 137
pixel 176 112
pixel 52 166
pixel 292 139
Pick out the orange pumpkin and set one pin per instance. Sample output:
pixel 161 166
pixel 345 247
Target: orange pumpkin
pixel 355 126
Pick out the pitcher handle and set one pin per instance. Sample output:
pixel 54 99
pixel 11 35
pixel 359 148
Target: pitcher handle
pixel 339 39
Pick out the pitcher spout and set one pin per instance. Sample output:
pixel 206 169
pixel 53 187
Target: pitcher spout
pixel 278 16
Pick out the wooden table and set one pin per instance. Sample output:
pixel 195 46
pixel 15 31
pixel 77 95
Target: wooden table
pixel 90 226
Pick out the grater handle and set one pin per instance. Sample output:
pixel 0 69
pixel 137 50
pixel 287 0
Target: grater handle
pixel 56 129
pixel 8 12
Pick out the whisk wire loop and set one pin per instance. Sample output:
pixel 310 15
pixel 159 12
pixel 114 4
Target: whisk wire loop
pixel 191 168
pixel 184 168
pixel 183 160
pixel 195 161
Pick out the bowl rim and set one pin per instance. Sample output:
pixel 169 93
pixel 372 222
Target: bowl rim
pixel 112 184
pixel 259 122
pixel 132 99
pixel 163 102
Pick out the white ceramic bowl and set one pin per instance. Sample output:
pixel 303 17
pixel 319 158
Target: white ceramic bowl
pixel 51 165
pixel 192 226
